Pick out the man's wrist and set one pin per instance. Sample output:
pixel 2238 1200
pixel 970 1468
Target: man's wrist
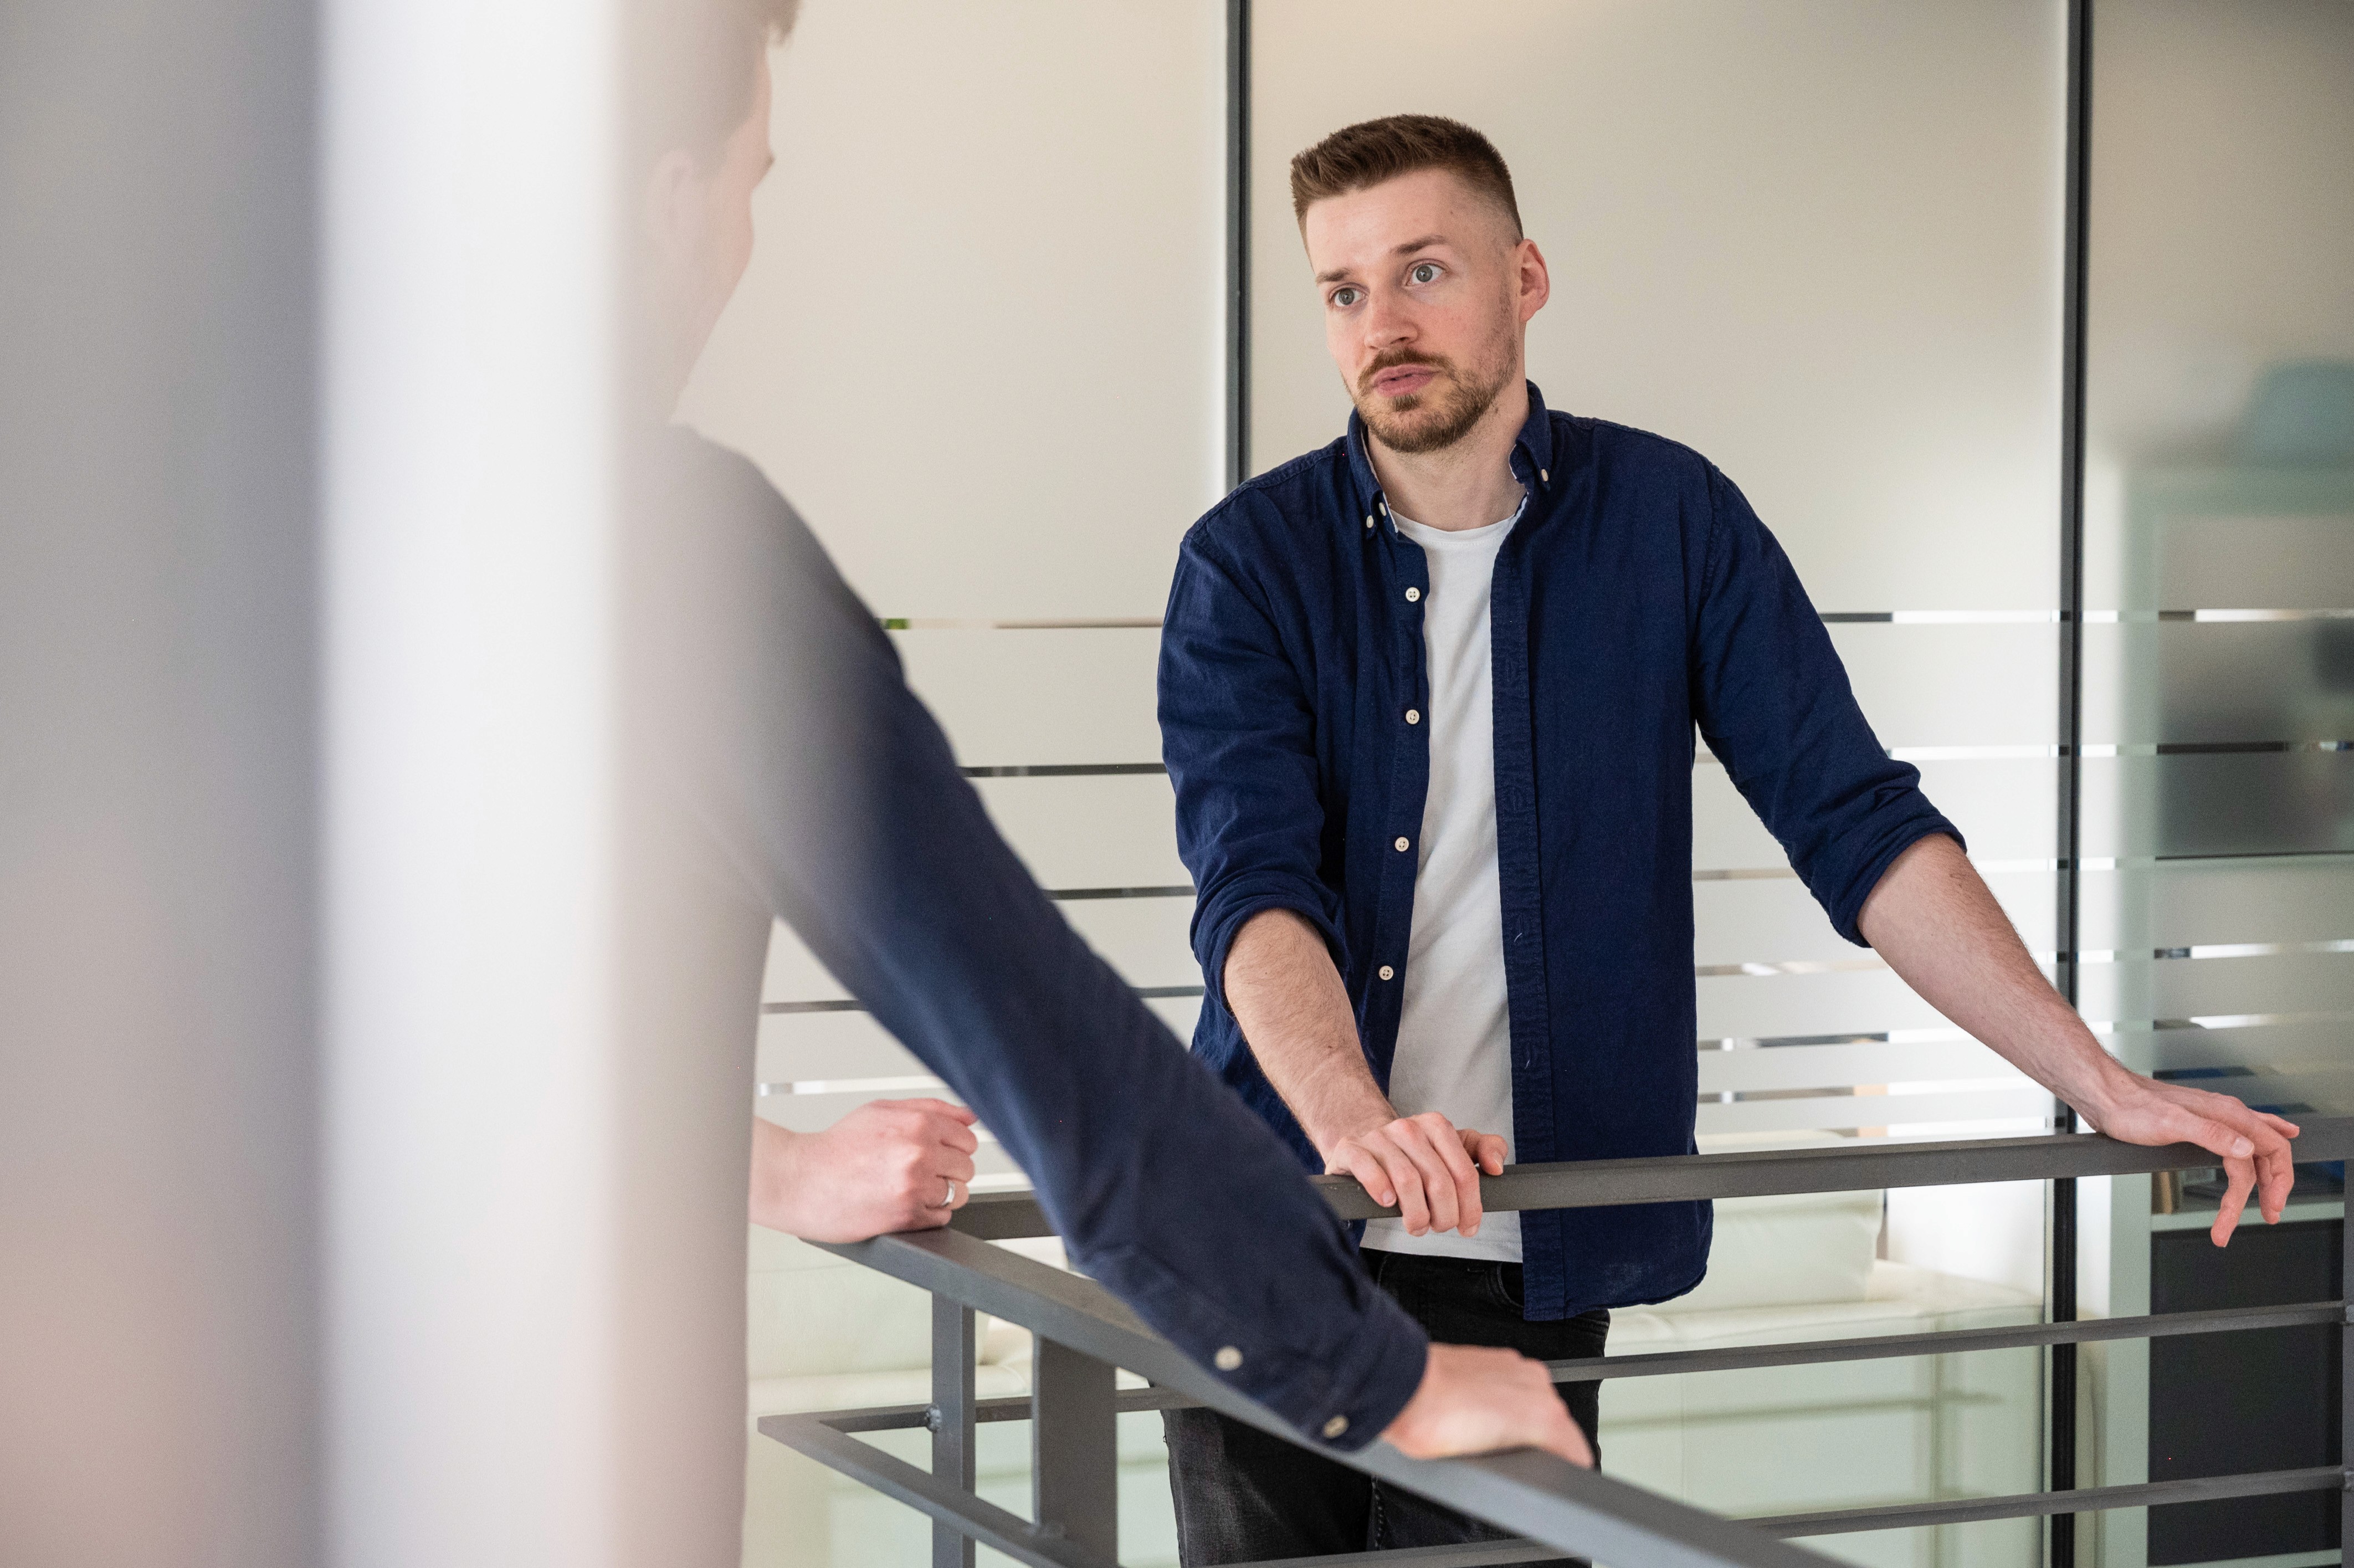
pixel 778 1177
pixel 2098 1083
pixel 1339 1125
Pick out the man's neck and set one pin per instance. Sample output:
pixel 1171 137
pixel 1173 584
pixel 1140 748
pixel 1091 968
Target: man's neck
pixel 1467 483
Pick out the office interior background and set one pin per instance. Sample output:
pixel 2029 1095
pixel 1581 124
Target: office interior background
pixel 2038 359
pixel 1828 246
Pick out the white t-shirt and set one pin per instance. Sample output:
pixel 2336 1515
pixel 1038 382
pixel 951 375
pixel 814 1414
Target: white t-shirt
pixel 1454 1042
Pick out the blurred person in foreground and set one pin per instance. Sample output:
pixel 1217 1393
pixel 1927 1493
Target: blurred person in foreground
pixel 794 774
pixel 1445 909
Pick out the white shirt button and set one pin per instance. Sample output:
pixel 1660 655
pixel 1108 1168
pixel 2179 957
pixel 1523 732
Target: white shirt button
pixel 1400 843
pixel 1544 478
pixel 1413 716
pixel 1385 506
pixel 1413 595
pixel 1336 1426
pixel 1369 519
pixel 1228 1358
pixel 1387 972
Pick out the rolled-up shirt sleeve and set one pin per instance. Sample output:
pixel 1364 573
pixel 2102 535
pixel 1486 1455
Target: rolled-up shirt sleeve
pixel 1774 704
pixel 838 795
pixel 1238 734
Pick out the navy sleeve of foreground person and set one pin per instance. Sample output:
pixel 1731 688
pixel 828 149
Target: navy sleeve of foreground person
pixel 839 802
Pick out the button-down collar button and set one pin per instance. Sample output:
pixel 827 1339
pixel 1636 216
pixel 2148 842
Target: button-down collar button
pixel 1413 716
pixel 1400 843
pixel 1336 1426
pixel 1544 478
pixel 1413 595
pixel 1383 504
pixel 1369 519
pixel 1228 1358
pixel 1387 972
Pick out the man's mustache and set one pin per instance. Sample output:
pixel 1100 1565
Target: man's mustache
pixel 1394 358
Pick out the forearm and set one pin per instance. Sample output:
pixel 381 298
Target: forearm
pixel 1934 920
pixel 1288 997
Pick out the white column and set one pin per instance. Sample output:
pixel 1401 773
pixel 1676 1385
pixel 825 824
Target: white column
pixel 486 1407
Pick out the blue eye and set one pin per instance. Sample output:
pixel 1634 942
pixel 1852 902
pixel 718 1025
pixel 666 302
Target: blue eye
pixel 1344 298
pixel 1425 272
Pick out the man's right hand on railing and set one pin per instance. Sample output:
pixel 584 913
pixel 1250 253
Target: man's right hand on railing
pixel 1294 1010
pixel 1424 1166
pixel 1477 1401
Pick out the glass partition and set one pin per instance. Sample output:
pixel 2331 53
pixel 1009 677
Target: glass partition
pixel 2219 703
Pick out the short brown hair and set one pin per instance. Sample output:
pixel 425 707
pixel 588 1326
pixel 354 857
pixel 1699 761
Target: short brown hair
pixel 694 64
pixel 1367 154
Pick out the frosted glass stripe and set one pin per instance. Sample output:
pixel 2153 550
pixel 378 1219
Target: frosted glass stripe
pixel 1845 1112
pixel 1828 618
pixel 908 1083
pixel 1795 967
pixel 1704 757
pixel 1146 946
pixel 1040 699
pixel 957 623
pixel 1848 1005
pixel 1840 1065
pixel 831 1045
pixel 1078 831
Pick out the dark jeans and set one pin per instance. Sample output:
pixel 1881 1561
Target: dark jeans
pixel 1244 1496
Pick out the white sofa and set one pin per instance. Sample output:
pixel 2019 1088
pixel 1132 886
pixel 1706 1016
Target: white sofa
pixel 825 1335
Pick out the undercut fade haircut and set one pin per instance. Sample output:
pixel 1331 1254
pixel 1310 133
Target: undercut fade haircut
pixel 693 66
pixel 1360 157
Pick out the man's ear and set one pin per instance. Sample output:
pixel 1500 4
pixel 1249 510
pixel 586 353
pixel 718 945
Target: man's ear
pixel 1536 278
pixel 672 217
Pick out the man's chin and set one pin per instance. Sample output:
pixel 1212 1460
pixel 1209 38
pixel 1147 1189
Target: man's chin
pixel 1419 423
pixel 1413 431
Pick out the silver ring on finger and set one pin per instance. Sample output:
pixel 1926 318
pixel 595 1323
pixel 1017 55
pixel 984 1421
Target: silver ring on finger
pixel 951 1201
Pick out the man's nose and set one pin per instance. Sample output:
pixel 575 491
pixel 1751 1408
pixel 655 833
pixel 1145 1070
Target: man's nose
pixel 1387 323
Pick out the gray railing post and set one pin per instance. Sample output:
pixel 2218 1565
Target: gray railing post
pixel 1074 1447
pixel 952 1420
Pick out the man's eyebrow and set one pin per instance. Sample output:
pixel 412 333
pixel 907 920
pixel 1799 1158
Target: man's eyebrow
pixel 1409 248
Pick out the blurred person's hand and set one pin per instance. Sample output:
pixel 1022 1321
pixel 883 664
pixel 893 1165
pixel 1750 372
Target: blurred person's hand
pixel 1424 1166
pixel 890 1165
pixel 1475 1401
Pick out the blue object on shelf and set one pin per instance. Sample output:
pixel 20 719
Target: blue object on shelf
pixel 2302 413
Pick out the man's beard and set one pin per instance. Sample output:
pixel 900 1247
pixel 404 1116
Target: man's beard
pixel 1453 403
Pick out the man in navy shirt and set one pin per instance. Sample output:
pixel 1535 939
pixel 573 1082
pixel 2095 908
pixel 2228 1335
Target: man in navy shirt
pixel 1428 698
pixel 779 767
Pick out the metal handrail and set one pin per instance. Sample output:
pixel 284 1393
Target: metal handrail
pixel 1084 1334
pixel 1747 1173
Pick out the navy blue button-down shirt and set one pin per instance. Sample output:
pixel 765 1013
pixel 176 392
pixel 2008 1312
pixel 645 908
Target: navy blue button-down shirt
pixel 1637 598
pixel 820 789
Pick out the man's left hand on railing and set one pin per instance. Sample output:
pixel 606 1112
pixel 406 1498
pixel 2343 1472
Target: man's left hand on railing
pixel 2251 1146
pixel 1932 918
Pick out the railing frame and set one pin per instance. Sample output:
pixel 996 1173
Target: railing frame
pixel 1084 1334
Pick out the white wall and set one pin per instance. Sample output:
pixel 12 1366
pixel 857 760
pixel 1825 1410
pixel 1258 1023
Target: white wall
pixel 979 343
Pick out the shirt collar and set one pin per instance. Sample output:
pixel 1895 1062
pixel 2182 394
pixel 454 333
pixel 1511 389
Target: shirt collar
pixel 1531 453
